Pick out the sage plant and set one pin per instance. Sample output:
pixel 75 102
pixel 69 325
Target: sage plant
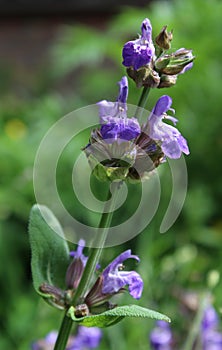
pixel 121 149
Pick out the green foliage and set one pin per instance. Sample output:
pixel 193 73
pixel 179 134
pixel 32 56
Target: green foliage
pixel 50 252
pixel 113 316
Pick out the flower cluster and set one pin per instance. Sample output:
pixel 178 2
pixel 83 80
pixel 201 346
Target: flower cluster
pixel 151 66
pixel 86 338
pixel 113 280
pixel 123 149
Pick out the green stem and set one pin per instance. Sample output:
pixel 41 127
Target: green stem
pixel 99 242
pixel 142 101
pixel 64 332
pixel 195 328
pixel 90 267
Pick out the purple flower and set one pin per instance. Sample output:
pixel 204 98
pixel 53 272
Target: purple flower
pixel 211 338
pixel 123 150
pixel 172 142
pixel 161 336
pixel 75 269
pixel 139 52
pixel 86 338
pixel 115 126
pixel 114 278
pixel 47 343
pixel 210 318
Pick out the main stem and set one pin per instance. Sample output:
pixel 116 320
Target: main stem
pixel 90 267
pixel 95 253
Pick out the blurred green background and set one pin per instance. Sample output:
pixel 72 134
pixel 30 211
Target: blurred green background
pixel 82 66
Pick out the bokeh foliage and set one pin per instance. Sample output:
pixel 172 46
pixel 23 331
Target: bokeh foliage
pixel 85 66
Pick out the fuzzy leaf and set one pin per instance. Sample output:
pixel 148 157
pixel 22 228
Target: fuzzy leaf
pixel 110 317
pixel 50 253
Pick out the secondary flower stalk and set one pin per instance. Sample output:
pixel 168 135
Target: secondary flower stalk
pixel 151 66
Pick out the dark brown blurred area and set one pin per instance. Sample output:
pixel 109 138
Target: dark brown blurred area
pixel 65 7
pixel 28 28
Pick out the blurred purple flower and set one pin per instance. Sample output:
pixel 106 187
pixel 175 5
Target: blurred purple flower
pixel 210 318
pixel 212 340
pixel 161 336
pixel 211 337
pixel 114 278
pixel 139 52
pixel 172 142
pixel 86 338
pixel 115 126
pixel 47 343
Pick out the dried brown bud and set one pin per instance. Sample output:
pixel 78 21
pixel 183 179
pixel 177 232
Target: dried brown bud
pixel 164 39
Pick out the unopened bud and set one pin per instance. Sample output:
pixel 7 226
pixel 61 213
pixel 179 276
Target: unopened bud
pixel 74 273
pixel 178 60
pixel 163 39
pixel 54 295
pixel 162 62
pixel 167 81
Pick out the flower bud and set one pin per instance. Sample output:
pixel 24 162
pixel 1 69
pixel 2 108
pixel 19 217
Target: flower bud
pixel 163 39
pixel 162 62
pixel 54 295
pixel 167 81
pixel 178 60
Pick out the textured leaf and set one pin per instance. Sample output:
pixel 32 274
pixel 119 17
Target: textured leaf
pixel 110 317
pixel 50 253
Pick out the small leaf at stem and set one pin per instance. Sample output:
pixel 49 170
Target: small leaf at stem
pixel 115 315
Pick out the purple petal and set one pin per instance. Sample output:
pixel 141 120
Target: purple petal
pixel 146 30
pixel 172 142
pixel 115 279
pixel 136 54
pixel 123 90
pixel 186 68
pixel 79 252
pixel 162 105
pixel 107 110
pixel 120 129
